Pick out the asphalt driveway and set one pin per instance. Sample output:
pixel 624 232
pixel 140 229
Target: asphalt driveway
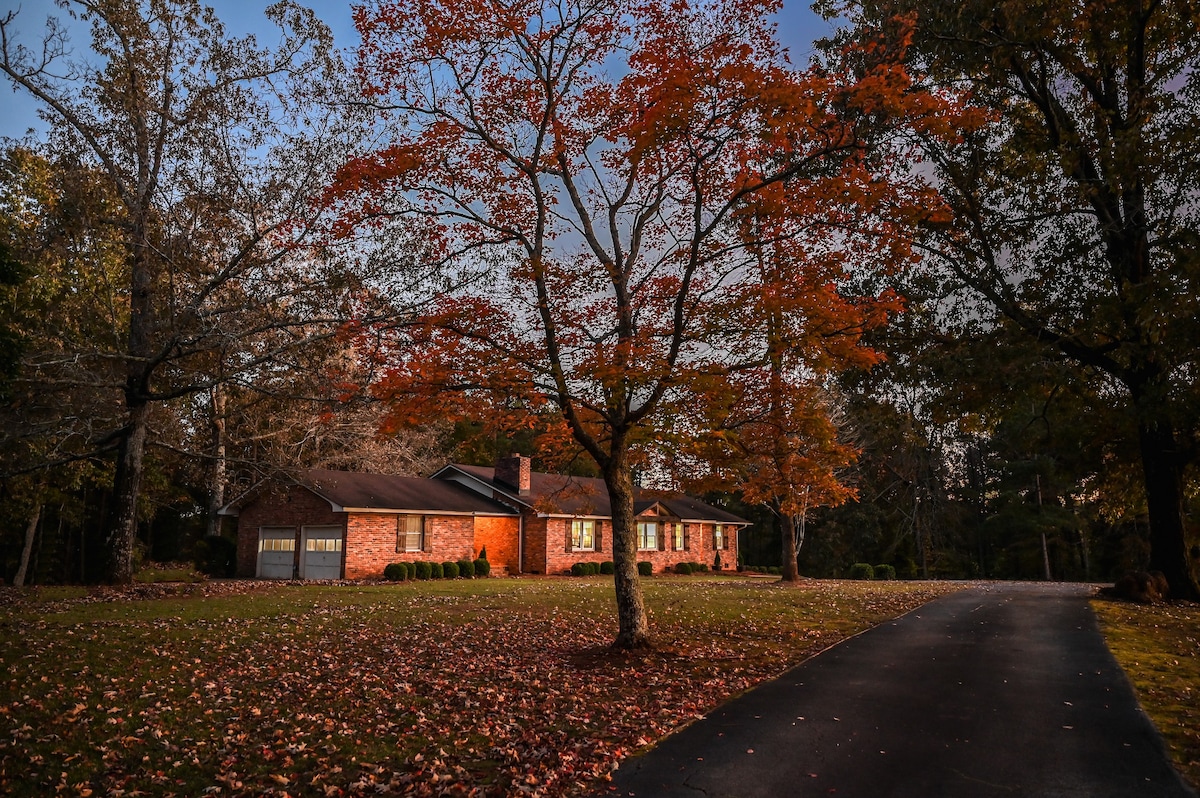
pixel 1001 690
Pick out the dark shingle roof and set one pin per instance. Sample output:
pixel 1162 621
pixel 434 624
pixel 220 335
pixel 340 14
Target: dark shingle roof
pixel 349 489
pixel 564 495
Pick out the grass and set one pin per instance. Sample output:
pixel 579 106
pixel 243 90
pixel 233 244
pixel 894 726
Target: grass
pixel 487 687
pixel 153 573
pixel 1158 647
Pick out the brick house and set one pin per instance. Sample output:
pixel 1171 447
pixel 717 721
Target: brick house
pixel 337 524
pixel 344 525
pixel 565 520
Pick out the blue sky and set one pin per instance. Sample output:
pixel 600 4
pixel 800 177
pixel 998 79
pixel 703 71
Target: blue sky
pixel 798 27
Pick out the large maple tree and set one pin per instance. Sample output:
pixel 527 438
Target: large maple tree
pixel 592 164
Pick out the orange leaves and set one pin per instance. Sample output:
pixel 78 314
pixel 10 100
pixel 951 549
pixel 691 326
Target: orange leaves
pixel 660 205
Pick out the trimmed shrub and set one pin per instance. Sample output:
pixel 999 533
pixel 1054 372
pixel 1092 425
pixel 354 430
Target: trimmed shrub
pixel 594 568
pixel 608 568
pixel 449 570
pixel 775 570
pixel 862 570
pixel 466 568
pixel 702 567
pixel 435 570
pixel 482 567
pixel 395 572
pixel 684 568
pixel 885 571
pixel 215 556
pixel 482 554
pixel 423 570
pixel 577 569
pixel 645 568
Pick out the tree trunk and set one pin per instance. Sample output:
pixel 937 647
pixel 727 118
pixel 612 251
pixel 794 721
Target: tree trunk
pixel 121 529
pixel 787 524
pixel 121 526
pixel 1041 523
pixel 216 476
pixel 633 629
pixel 1163 471
pixel 27 549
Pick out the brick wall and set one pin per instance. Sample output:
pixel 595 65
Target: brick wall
pixel 499 535
pixel 698 547
pixel 294 507
pixel 371 542
pixel 534 556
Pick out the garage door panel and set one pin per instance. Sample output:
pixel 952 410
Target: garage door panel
pixel 322 555
pixel 276 553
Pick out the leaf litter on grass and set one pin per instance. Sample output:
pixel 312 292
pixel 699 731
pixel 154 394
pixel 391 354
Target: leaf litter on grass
pixel 486 687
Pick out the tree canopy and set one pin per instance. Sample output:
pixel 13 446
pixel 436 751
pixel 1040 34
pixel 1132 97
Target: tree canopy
pixel 1073 213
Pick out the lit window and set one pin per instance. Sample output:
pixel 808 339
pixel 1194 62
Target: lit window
pixel 647 535
pixel 718 536
pixel 410 533
pixel 323 544
pixel 583 535
pixel 677 536
pixel 277 544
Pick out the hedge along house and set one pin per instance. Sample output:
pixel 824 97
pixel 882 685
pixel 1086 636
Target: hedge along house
pixel 344 525
pixel 567 519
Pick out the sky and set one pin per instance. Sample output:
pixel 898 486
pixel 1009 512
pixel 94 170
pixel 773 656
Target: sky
pixel 798 27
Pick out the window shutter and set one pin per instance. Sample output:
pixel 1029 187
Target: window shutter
pixel 599 539
pixel 570 535
pixel 424 531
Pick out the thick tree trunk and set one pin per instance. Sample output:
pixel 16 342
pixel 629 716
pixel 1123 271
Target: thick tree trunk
pixel 787 526
pixel 216 476
pixel 633 629
pixel 1163 471
pixel 121 528
pixel 27 549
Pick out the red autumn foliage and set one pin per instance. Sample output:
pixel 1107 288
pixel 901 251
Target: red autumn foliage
pixel 593 165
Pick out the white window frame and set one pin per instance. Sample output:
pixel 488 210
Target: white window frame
pixel 647 535
pixel 719 536
pixel 583 534
pixel 405 535
pixel 678 538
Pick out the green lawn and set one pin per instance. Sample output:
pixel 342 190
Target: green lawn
pixel 493 686
pixel 1159 649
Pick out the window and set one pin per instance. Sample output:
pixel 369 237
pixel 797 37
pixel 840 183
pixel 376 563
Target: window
pixel 647 535
pixel 583 535
pixel 718 536
pixel 410 533
pixel 677 536
pixel 323 544
pixel 278 544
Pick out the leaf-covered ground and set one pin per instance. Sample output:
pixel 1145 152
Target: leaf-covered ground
pixel 1158 647
pixel 485 687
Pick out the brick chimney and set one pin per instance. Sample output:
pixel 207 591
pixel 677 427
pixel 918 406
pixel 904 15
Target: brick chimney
pixel 514 472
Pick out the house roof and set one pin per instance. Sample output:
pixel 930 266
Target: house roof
pixel 557 494
pixel 350 490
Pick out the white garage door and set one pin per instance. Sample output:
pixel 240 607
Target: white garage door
pixel 322 555
pixel 276 552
